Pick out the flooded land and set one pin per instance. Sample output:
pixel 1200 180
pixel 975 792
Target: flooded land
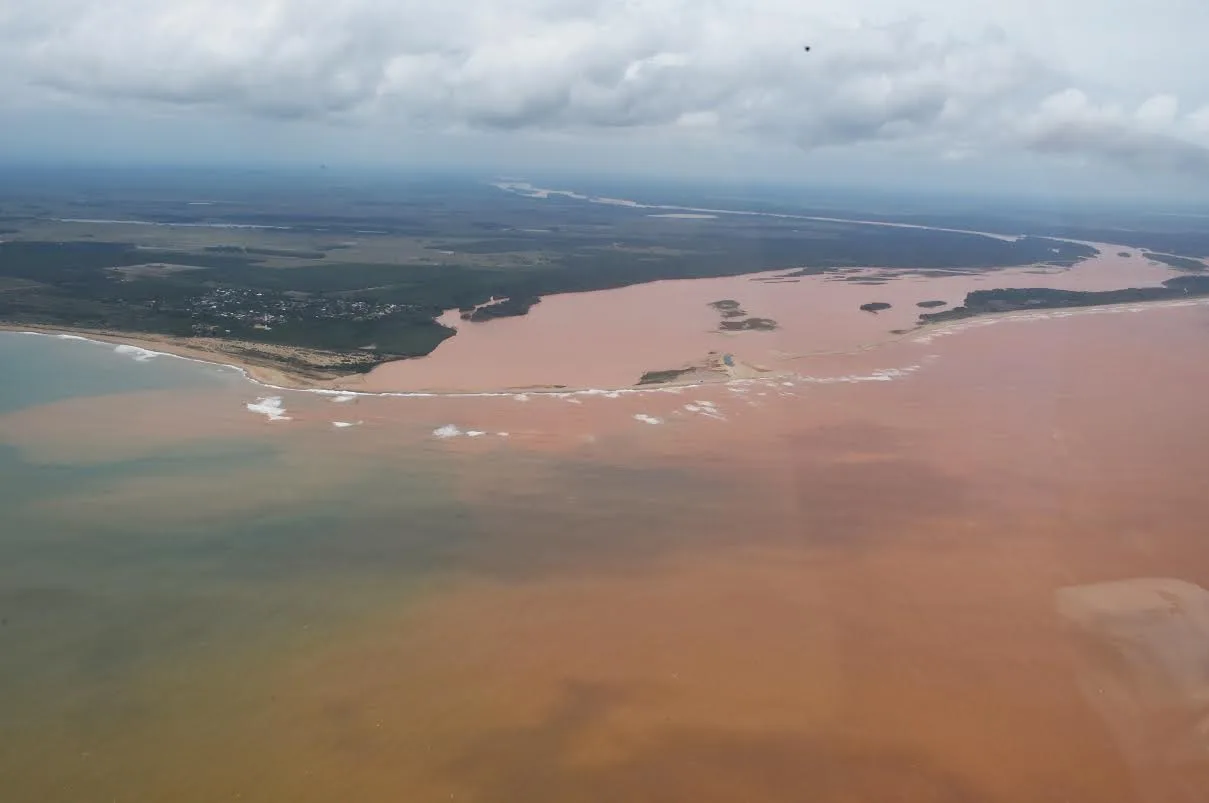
pixel 965 563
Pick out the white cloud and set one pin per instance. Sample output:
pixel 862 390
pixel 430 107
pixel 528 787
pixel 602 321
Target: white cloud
pixel 1152 137
pixel 952 82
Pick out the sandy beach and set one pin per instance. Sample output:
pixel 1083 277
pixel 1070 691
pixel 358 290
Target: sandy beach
pixel 261 362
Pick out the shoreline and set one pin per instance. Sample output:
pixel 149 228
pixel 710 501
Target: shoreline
pixel 275 377
pixel 208 351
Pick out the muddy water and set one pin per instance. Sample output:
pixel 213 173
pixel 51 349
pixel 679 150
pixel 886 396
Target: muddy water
pixel 610 338
pixel 916 573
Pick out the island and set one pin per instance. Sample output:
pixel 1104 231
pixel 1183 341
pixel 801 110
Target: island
pixel 1177 262
pixel 931 304
pixel 875 306
pixel 984 302
pixel 731 311
pixel 504 308
pixel 749 324
pixel 663 377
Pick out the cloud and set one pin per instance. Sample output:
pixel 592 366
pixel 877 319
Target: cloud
pixel 527 64
pixel 701 67
pixel 1152 137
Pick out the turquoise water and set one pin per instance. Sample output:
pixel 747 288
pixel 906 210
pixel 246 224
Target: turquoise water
pixel 40 370
pixel 205 560
pixel 158 593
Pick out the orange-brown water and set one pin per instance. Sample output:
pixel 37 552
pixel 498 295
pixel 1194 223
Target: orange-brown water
pixel 607 339
pixel 827 591
pixel 862 609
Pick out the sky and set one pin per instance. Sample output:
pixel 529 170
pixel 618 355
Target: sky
pixel 1103 95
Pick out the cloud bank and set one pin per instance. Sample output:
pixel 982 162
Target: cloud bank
pixel 701 67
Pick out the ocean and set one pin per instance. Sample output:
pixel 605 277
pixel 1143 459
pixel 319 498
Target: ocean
pixel 791 590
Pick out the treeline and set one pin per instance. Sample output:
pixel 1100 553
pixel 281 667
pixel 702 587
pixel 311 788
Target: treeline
pixel 76 285
pixel 983 302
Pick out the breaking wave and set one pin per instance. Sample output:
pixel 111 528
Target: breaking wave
pixel 269 406
pixel 136 353
pixel 454 431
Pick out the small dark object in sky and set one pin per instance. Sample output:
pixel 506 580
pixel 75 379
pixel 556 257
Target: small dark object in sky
pixel 807 48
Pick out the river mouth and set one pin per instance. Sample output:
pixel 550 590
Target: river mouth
pixel 611 338
pixel 841 586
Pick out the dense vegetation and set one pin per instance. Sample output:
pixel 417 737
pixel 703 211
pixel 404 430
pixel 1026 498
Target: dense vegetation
pixel 1177 262
pixel 662 377
pixel 507 308
pixel 982 302
pixel 366 269
pixel 106 285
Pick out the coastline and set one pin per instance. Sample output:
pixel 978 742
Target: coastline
pixel 275 376
pixel 262 370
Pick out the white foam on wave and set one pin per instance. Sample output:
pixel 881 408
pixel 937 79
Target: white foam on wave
pixel 142 355
pixel 526 396
pixel 647 419
pixel 346 424
pixel 880 375
pixel 454 431
pixel 136 353
pixel 343 398
pixel 270 407
pixel 705 408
